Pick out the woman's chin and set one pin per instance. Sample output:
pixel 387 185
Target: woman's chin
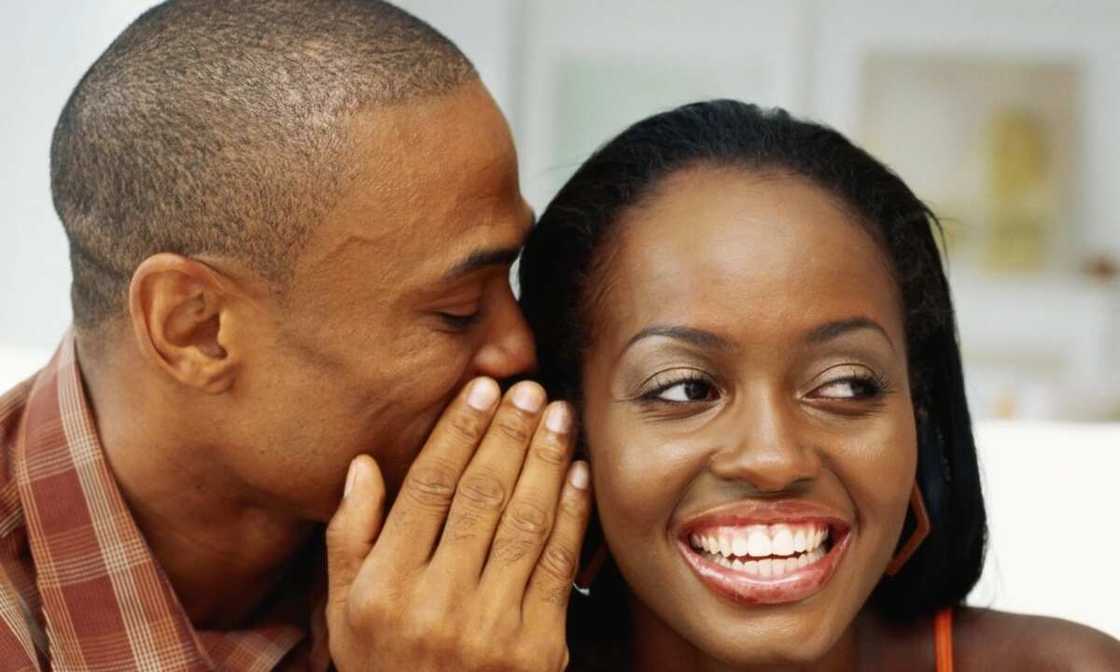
pixel 773 644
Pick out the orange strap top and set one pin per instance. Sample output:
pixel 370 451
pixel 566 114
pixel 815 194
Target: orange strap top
pixel 943 640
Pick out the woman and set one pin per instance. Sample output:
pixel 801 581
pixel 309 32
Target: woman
pixel 751 315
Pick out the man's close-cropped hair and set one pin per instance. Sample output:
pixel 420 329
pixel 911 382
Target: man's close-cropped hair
pixel 215 127
pixel 560 271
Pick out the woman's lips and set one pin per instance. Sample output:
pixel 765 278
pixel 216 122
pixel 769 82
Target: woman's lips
pixel 769 553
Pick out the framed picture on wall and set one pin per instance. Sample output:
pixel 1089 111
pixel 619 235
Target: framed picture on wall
pixel 991 144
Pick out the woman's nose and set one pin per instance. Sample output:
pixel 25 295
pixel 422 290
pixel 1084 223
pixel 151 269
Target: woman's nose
pixel 767 449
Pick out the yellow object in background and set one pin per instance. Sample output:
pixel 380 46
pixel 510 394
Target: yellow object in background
pixel 1021 194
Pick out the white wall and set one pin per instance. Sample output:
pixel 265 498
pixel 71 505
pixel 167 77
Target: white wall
pixel 1050 493
pixel 1085 32
pixel 45 48
pixel 592 68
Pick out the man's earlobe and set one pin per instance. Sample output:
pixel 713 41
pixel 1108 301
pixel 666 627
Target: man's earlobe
pixel 177 306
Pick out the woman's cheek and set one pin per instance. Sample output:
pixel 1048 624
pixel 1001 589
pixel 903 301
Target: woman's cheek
pixel 879 474
pixel 639 478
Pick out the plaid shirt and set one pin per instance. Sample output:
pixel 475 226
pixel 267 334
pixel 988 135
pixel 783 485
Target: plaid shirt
pixel 79 587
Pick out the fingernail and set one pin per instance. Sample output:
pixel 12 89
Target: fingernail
pixel 528 397
pixel 578 475
pixel 351 477
pixel 482 395
pixel 558 419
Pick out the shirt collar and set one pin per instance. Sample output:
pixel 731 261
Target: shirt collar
pixel 106 601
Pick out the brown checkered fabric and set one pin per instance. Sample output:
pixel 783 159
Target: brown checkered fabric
pixel 79 588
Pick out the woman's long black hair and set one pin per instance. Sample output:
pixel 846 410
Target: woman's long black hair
pixel 559 267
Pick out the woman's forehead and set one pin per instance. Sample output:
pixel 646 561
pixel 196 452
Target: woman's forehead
pixel 724 246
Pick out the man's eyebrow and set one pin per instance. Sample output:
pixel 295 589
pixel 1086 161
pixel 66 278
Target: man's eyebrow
pixel 697 337
pixel 479 259
pixel 830 330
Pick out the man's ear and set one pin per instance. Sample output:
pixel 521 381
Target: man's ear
pixel 177 307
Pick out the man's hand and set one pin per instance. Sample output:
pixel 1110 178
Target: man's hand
pixel 472 567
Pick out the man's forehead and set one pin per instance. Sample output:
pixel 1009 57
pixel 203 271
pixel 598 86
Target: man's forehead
pixel 433 170
pixel 434 192
pixel 439 249
pixel 464 126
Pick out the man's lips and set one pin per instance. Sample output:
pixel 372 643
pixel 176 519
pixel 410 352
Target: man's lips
pixel 765 552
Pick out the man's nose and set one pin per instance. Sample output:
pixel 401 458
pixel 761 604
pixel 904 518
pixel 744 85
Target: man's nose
pixel 509 349
pixel 768 451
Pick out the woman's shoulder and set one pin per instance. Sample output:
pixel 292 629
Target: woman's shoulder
pixel 987 639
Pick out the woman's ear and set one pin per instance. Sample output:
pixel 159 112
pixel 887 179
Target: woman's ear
pixel 178 308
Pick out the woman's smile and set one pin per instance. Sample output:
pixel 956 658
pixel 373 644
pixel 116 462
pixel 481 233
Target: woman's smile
pixel 765 553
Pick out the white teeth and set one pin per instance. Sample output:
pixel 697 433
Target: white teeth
pixel 725 544
pixel 769 567
pixel 781 540
pixel 758 542
pixel 739 545
pixel 777 568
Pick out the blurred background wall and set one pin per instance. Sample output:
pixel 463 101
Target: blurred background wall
pixel 1000 113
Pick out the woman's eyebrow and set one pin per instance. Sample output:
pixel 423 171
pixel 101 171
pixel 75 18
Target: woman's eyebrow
pixel 697 337
pixel 830 330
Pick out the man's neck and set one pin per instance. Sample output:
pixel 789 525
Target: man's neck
pixel 223 553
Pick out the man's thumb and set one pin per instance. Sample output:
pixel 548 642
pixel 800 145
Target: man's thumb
pixel 355 525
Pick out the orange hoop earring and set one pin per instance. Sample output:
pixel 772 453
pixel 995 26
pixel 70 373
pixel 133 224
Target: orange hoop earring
pixel 921 531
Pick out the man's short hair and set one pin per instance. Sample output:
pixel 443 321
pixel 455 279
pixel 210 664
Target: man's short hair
pixel 218 127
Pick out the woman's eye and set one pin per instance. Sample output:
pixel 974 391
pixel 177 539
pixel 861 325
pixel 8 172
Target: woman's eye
pixel 686 391
pixel 849 388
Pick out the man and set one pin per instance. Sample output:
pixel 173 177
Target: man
pixel 291 225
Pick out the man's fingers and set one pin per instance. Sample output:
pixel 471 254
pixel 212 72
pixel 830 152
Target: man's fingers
pixel 421 506
pixel 529 518
pixel 546 599
pixel 488 483
pixel 355 525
